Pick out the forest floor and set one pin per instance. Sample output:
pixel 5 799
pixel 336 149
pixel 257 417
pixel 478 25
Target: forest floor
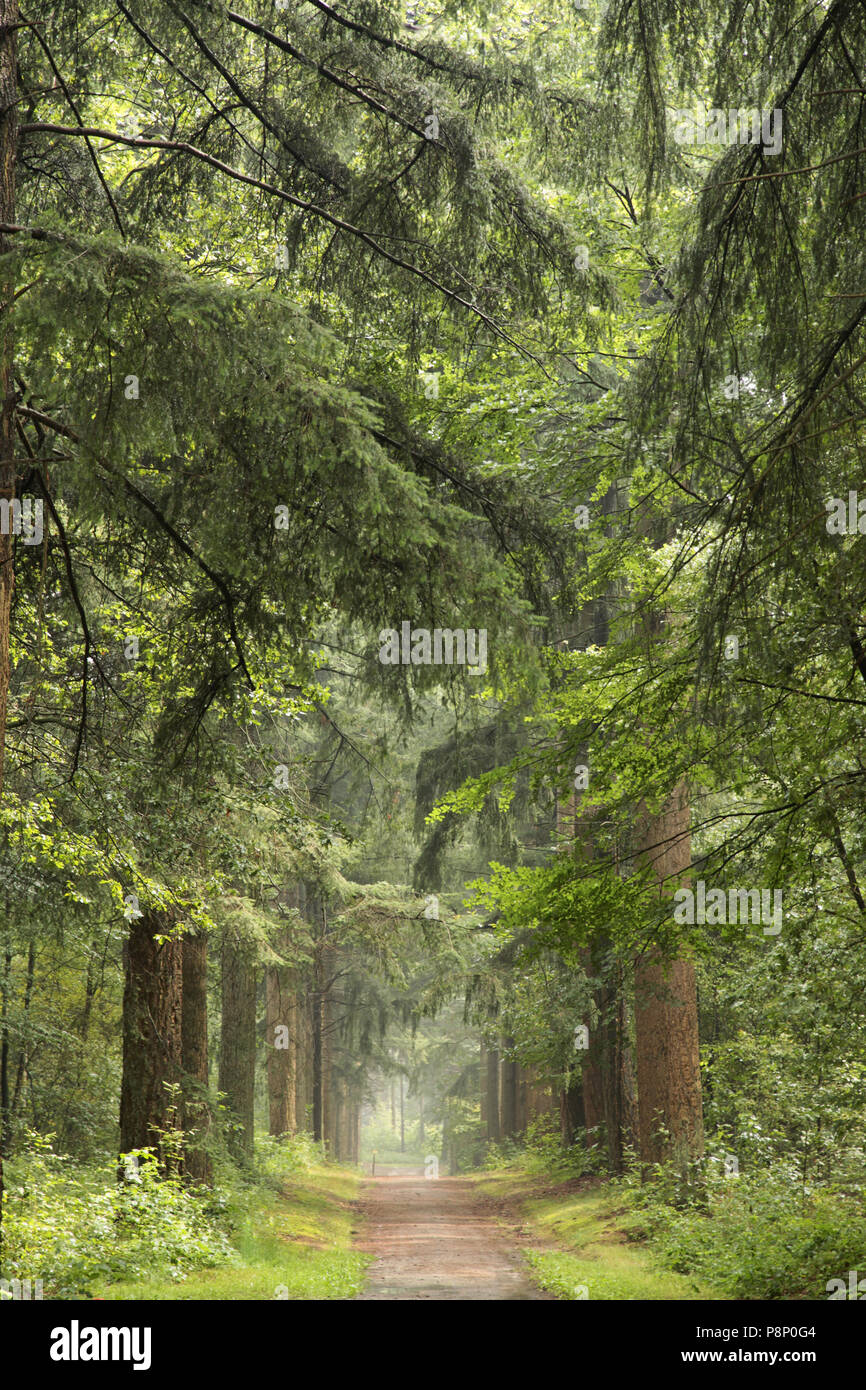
pixel 437 1239
pixel 572 1235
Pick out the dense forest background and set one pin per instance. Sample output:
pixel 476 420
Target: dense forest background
pixel 539 322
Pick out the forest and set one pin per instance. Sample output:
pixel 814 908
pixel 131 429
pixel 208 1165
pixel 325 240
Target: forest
pixel 432 786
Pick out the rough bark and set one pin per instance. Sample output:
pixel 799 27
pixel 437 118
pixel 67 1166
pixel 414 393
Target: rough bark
pixel 482 1089
pixel 237 1066
pixel 318 1006
pixel 9 18
pixel 4 1050
pixel 320 1060
pixel 494 1126
pixel 572 1116
pixel 509 1095
pixel 8 154
pixel 328 959
pixel 304 1049
pixel 303 1068
pixel 196 1114
pixel 520 1101
pixel 666 1009
pixel 152 1032
pixel 603 1100
pixel 605 1068
pixel 402 1118
pixel 281 1037
pixel 22 1052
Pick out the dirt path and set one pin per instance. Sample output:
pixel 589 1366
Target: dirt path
pixel 435 1238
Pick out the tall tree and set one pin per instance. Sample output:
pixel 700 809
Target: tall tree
pixel 194 1035
pixel 237 1060
pixel 152 1032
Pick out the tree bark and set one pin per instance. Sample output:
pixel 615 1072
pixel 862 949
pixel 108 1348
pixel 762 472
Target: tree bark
pixel 318 1003
pixel 304 1062
pixel 666 1009
pixel 521 1107
pixel 572 1115
pixel 8 155
pixel 237 1068
pixel 402 1119
pixel 22 1051
pixel 5 990
pixel 328 959
pixel 304 1046
pixel 320 1061
pixel 196 1116
pixel 281 1037
pixel 9 18
pixel 152 1041
pixel 494 1128
pixel 509 1095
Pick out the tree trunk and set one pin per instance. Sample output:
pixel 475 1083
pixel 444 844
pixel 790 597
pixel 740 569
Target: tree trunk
pixel 89 993
pixel 5 990
pixel 509 1095
pixel 337 1112
pixel 603 1070
pixel 328 958
pixel 304 1046
pixel 152 1032
pixel 196 1116
pixel 572 1115
pixel 318 1076
pixel 237 1068
pixel 281 1040
pixel 402 1119
pixel 22 1051
pixel 304 1063
pixel 666 1009
pixel 9 18
pixel 320 1018
pixel 494 1128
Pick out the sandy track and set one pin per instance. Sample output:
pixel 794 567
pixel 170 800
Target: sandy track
pixel 434 1239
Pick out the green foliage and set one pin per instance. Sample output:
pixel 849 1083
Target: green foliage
pixel 540 1152
pixel 755 1236
pixel 79 1231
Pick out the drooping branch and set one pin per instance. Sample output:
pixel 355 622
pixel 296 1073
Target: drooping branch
pixel 184 147
pixel 40 39
pixel 183 545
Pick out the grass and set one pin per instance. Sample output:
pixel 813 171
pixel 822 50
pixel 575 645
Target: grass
pixel 292 1244
pixel 593 1257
